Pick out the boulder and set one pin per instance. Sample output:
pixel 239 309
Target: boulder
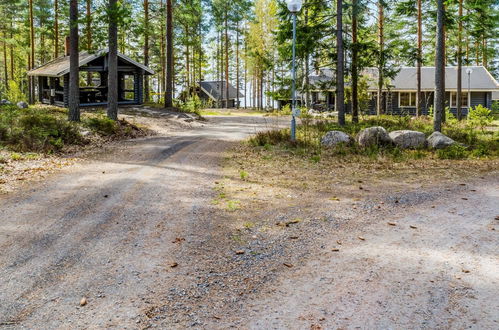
pixel 438 140
pixel 22 105
pixel 3 102
pixel 408 139
pixel 374 136
pixel 333 138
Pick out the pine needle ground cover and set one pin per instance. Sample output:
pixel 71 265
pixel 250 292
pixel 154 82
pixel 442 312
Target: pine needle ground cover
pixel 37 140
pixel 269 174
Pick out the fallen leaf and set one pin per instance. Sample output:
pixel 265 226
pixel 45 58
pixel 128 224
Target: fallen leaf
pixel 361 238
pixel 413 227
pixel 335 250
pixel 240 252
pixel 339 242
pixel 83 301
pixel 173 264
pixel 392 223
pixel 178 240
pixel 293 237
pixel 466 271
pixel 217 317
pixel 497 217
pixel 288 265
pixel 464 198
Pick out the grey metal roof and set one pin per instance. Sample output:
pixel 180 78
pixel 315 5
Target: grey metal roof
pixel 480 79
pixel 60 66
pixel 216 90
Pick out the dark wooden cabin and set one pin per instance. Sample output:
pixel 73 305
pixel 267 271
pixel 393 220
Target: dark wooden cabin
pixel 53 80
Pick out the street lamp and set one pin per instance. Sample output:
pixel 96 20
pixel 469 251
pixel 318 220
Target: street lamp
pixel 294 7
pixel 469 71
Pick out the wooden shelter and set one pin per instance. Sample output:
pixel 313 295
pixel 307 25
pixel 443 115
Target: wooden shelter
pixel 53 80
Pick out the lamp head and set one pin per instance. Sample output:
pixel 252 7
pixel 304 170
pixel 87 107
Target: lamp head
pixel 294 6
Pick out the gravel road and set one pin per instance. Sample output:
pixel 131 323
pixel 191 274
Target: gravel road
pixel 134 231
pixel 106 229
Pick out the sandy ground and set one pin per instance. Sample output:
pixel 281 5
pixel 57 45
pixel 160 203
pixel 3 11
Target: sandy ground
pixel 141 234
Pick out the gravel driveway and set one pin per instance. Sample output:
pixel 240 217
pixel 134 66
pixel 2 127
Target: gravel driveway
pixel 134 232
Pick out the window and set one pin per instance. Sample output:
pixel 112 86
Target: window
pixel 407 99
pixel 453 99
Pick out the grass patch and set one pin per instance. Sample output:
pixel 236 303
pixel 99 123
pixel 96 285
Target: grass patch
pixel 45 129
pixel 39 129
pixel 308 143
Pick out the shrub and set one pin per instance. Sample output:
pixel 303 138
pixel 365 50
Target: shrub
pixel 480 116
pixel 36 130
pixel 102 125
pixel 455 151
pixel 270 138
pixel 192 104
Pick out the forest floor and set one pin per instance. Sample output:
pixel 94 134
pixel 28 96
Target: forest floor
pixel 189 228
pixel 19 169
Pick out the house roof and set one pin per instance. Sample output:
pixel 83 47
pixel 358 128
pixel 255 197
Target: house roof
pixel 60 66
pixel 480 79
pixel 216 90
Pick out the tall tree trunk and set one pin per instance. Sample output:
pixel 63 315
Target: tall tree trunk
pixel 355 71
pixel 340 79
pixel 245 72
pixel 56 28
pixel 146 48
pixel 419 110
pixel 169 55
pixel 484 51
pixel 112 81
pixel 163 48
pixel 439 68
pixel 459 59
pixel 187 62
pixel 11 50
pixel 237 66
pixel 6 70
pixel 226 58
pixel 381 58
pixel 31 80
pixel 74 75
pixel 88 33
pixel 306 78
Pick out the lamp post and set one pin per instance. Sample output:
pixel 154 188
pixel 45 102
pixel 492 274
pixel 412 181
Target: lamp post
pixel 294 7
pixel 469 71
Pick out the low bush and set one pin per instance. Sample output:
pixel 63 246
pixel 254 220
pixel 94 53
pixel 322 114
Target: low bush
pixel 455 151
pixel 37 130
pixel 101 124
pixel 309 133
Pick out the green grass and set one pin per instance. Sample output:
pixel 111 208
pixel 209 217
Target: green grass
pixel 38 129
pixel 477 143
pixel 45 129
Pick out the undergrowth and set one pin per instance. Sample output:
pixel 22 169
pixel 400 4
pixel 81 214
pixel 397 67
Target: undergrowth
pixel 46 129
pixel 474 143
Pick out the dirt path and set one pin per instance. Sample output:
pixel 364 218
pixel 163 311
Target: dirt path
pixel 136 232
pixel 431 264
pixel 105 230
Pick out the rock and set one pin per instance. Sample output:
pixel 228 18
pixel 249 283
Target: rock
pixel 408 139
pixel 374 136
pixel 85 133
pixel 83 301
pixel 4 102
pixel 333 138
pixel 438 140
pixel 22 105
